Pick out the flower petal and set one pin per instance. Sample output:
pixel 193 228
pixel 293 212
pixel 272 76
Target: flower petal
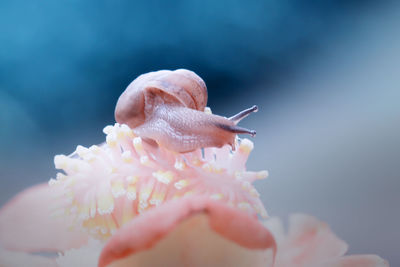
pixel 357 261
pixel 275 225
pixel 19 259
pixel 87 255
pixel 26 223
pixel 193 231
pixel 308 241
pixel 312 240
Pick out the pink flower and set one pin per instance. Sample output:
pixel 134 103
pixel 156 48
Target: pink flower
pixel 126 203
pixel 26 225
pixel 311 243
pixel 192 231
pixel 105 186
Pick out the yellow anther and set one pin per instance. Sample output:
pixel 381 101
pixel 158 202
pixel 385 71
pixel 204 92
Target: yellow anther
pixel 179 165
pixel 157 199
pixel 111 140
pixel 127 156
pixel 262 174
pixel 60 161
pixel 132 179
pixel 181 184
pixel 212 168
pixel 164 177
pixel 246 146
pixel 105 204
pixel 110 224
pixel 83 211
pixel 246 185
pixel 127 215
pixel 131 192
pixel 108 129
pixel 196 162
pixel 82 151
pixel 144 160
pixel 145 194
pixel 61 177
pixel 117 188
pixel 137 143
pixel 120 135
pixel 126 130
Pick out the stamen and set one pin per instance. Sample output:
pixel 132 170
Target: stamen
pixel 117 189
pixel 127 157
pixel 131 191
pixel 181 184
pixel 246 146
pixel 164 177
pixel 105 186
pixel 179 164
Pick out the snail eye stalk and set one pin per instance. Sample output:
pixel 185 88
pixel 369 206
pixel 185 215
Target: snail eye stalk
pixel 243 114
pixel 237 129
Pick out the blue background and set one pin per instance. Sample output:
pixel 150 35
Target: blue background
pixel 325 75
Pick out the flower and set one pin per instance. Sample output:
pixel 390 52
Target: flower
pixel 192 231
pixel 128 203
pixel 311 243
pixel 193 224
pixel 27 227
pixel 105 186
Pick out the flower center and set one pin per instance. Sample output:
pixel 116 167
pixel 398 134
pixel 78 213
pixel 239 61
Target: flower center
pixel 106 186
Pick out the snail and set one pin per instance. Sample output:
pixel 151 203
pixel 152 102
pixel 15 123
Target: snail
pixel 167 107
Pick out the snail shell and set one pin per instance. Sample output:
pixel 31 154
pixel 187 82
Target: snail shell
pixel 168 107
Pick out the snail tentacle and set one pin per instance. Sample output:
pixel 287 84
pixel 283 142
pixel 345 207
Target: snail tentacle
pixel 243 114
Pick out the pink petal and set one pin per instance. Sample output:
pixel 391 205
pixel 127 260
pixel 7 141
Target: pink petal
pixel 313 240
pixel 274 224
pixel 26 223
pixel 308 241
pixel 19 259
pixel 193 231
pixel 357 261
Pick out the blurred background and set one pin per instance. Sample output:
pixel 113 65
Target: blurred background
pixel 325 75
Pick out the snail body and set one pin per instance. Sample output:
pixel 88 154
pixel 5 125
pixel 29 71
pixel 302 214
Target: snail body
pixel 168 107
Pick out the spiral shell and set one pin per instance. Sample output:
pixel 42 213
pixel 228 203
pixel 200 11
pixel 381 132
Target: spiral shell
pixel 180 87
pixel 167 108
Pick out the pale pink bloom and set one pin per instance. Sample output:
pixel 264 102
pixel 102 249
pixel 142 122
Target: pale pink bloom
pixel 147 206
pixel 184 233
pixel 311 243
pixel 106 186
pixel 192 231
pixel 26 225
